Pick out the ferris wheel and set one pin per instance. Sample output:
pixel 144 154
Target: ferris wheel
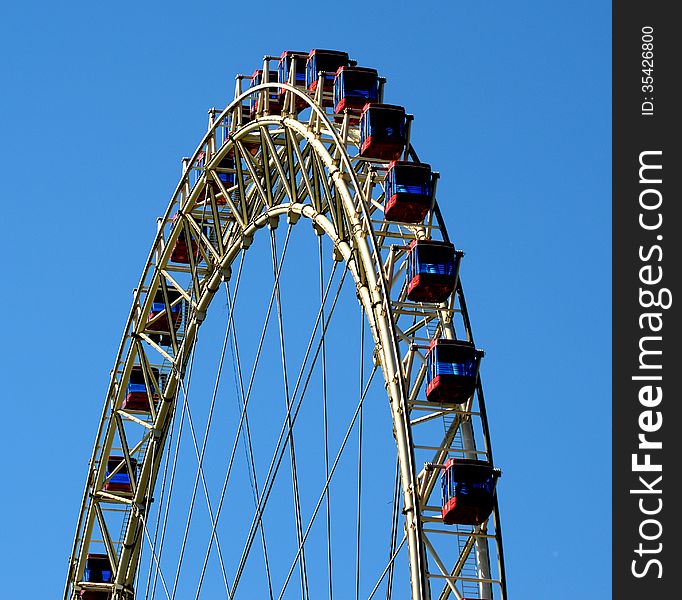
pixel 324 433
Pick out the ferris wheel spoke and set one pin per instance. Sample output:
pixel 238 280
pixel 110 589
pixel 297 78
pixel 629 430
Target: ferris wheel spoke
pixel 202 477
pixel 325 424
pixel 155 557
pixel 290 436
pixel 279 448
pixel 239 382
pixel 322 495
pixel 147 506
pixel 388 570
pixel 243 414
pixel 155 561
pixel 154 569
pixel 176 454
pixel 394 532
pixel 200 452
pixel 359 475
pixel 173 470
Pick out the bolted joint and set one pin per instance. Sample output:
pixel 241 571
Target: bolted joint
pixel 430 466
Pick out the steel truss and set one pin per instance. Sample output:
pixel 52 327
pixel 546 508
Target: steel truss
pixel 287 167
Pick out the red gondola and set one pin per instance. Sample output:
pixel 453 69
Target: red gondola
pixel 120 482
pixel 383 131
pixel 452 371
pixel 180 253
pixel 274 102
pixel 94 595
pixel 286 60
pixel 409 191
pixel 137 399
pixel 161 328
pixel 353 88
pixel 97 570
pixel 468 491
pixel 328 61
pixel 432 270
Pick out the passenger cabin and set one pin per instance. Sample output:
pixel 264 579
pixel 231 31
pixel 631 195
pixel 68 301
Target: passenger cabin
pixel 298 60
pixel 226 174
pixel 468 491
pixel 94 595
pixel 97 570
pixel 383 131
pixel 160 328
pixel 180 253
pixel 432 270
pixel 452 371
pixel 181 249
pixel 137 399
pixel 409 191
pixel 120 482
pixel 274 102
pixel 353 88
pixel 328 61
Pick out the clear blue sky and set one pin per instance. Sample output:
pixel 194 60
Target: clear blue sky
pixel 511 105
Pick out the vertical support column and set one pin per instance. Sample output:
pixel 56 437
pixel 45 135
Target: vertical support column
pixel 266 92
pixel 292 81
pixel 240 109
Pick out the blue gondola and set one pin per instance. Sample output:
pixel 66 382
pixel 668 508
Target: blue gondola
pixel 432 270
pixel 274 102
pixel 97 570
pixel 120 482
pixel 409 191
pixel 468 491
pixel 226 173
pixel 328 61
pixel 452 371
pixel 160 329
pixel 137 399
pixel 353 88
pixel 383 131
pixel 287 58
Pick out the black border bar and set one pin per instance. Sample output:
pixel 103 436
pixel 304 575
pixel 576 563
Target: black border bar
pixel 647 268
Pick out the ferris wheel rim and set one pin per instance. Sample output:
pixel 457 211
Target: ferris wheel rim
pixel 378 293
